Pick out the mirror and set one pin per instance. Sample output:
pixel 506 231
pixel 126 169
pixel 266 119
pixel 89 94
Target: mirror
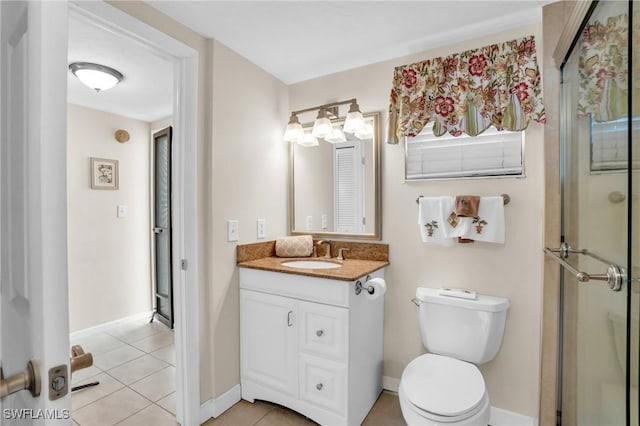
pixel 334 188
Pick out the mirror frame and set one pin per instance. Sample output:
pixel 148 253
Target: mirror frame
pixel 377 191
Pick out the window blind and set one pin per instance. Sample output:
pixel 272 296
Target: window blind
pixel 492 153
pixel 610 145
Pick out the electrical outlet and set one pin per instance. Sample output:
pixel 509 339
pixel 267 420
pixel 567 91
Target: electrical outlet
pixel 233 231
pixel 325 221
pixel 260 231
pixel 309 223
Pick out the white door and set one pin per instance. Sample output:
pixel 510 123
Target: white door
pixel 33 220
pixel 269 341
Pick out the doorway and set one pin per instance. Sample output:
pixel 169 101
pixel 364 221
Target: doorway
pixel 184 60
pixel 162 233
pixel 600 303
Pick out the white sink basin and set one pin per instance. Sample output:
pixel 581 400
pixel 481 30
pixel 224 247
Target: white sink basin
pixel 311 264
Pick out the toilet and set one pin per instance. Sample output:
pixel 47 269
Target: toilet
pixel 444 387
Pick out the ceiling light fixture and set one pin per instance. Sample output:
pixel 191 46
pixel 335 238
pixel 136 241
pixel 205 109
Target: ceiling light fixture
pixel 96 76
pixel 322 127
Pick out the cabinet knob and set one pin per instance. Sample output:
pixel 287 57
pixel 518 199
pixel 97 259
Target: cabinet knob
pixel 320 333
pixel 319 386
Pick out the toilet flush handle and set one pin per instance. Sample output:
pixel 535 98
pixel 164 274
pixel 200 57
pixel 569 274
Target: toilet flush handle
pixel 416 302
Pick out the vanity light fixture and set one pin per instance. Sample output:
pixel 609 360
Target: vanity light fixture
pixel 308 140
pixel 96 76
pixel 322 127
pixel 364 132
pixel 294 132
pixel 336 136
pixel 354 120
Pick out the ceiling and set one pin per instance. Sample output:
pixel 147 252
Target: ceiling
pixel 292 40
pixel 145 93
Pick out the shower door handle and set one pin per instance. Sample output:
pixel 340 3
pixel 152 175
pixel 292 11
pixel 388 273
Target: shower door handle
pixel 159 230
pixel 614 277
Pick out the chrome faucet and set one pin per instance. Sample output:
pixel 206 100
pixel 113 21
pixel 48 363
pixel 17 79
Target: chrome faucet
pixel 327 253
pixel 340 253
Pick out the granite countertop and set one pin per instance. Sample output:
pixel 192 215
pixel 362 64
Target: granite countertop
pixel 351 269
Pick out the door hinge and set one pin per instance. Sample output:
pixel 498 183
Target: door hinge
pixel 184 264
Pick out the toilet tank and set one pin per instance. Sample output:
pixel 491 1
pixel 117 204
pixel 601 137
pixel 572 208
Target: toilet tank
pixel 466 329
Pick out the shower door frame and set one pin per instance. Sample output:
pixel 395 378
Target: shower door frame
pixel 562 23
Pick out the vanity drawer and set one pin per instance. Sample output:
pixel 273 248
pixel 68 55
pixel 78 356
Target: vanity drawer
pixel 324 330
pixel 323 383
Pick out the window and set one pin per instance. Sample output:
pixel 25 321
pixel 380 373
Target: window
pixel 491 153
pixel 609 145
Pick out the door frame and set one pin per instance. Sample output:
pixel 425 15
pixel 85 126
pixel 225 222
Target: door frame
pixel 185 186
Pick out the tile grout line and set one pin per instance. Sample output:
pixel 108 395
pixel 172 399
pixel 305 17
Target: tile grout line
pixel 128 386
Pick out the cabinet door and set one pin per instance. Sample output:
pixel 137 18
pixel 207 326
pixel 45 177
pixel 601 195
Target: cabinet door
pixel 269 348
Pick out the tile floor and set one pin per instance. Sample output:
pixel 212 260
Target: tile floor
pixel 385 412
pixel 135 365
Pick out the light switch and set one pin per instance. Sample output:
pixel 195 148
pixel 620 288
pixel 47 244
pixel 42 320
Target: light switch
pixel 232 230
pixel 122 211
pixel 309 223
pixel 260 231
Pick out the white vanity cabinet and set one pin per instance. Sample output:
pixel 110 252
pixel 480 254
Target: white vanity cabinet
pixel 310 344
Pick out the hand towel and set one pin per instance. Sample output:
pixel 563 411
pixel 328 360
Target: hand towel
pixel 489 224
pixel 454 226
pixel 298 246
pixel 467 205
pixel 431 223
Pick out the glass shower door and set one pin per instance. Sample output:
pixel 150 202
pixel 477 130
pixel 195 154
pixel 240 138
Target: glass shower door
pixel 599 226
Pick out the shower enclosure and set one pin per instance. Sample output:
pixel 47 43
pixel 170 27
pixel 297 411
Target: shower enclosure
pixel 600 255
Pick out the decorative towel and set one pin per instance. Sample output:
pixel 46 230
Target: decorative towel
pixel 467 205
pixel 298 246
pixel 489 224
pixel 431 221
pixel 455 225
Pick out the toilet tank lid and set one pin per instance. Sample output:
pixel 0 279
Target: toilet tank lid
pixel 481 303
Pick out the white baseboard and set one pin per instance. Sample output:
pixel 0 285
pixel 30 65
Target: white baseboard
pixel 102 327
pixel 500 417
pixel 390 383
pixel 216 406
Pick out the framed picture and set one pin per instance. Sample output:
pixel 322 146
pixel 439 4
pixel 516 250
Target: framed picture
pixel 104 173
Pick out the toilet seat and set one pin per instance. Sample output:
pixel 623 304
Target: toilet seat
pixel 443 389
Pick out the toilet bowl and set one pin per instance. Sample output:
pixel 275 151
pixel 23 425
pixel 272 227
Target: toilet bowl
pixel 437 390
pixel 445 387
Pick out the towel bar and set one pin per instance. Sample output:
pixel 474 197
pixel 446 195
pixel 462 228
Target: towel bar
pixel 505 197
pixel 614 277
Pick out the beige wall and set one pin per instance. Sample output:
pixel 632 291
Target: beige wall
pixel 242 173
pixel 249 166
pixel 109 259
pixel 512 270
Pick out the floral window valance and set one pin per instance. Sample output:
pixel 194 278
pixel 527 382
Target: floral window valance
pixel 496 85
pixel 603 69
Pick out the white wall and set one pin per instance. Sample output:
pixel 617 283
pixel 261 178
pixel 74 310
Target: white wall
pixel 109 257
pixel 512 270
